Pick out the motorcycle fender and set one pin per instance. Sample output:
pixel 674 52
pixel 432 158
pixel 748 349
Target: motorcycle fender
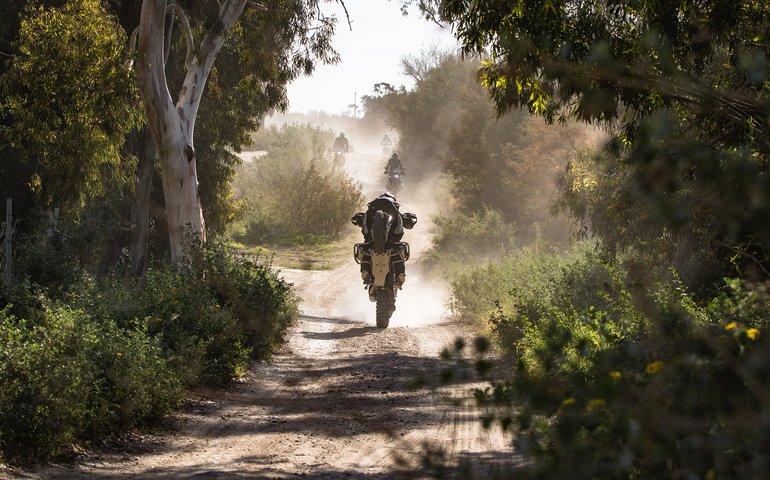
pixel 380 268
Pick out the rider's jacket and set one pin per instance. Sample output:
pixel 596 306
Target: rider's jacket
pixel 403 220
pixel 394 166
pixel 341 144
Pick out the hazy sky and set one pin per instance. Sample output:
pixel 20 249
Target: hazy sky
pixel 371 53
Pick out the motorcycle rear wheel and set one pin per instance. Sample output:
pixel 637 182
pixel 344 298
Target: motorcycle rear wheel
pixel 386 305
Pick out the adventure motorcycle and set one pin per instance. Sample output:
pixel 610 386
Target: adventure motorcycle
pixel 383 255
pixel 395 183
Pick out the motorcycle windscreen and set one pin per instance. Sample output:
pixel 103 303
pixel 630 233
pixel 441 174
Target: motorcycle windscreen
pixel 380 268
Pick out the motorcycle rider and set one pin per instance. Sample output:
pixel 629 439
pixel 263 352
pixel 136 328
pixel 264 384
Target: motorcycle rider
pixel 341 144
pixel 387 144
pixel 394 165
pixel 388 204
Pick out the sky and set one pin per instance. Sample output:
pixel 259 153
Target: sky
pixel 370 53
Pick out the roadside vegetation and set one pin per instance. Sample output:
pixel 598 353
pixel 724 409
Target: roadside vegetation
pixel 637 345
pixel 103 328
pixel 292 195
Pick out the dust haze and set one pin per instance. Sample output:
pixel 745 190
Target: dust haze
pixel 423 299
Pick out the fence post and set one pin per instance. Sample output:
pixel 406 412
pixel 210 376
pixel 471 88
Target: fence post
pixel 8 272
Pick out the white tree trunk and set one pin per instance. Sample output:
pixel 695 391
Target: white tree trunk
pixel 172 125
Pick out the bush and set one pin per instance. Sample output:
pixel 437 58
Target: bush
pixel 66 376
pixel 615 373
pixel 88 358
pixel 264 304
pixel 458 237
pixel 300 206
pixel 293 194
pixel 210 314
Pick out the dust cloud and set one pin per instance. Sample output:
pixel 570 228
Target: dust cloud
pixel 423 299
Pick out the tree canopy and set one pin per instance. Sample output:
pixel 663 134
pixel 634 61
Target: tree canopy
pixel 681 85
pixel 69 102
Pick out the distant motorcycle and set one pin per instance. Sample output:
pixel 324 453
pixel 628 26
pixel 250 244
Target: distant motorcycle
pixel 383 254
pixel 395 181
pixel 339 158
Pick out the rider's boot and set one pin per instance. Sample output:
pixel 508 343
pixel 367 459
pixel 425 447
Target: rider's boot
pixel 400 279
pixel 366 277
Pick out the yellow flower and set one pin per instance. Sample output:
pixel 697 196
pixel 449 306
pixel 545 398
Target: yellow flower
pixel 615 375
pixel 731 326
pixel 594 404
pixel 711 475
pixel 752 333
pixel 654 367
pixel 568 401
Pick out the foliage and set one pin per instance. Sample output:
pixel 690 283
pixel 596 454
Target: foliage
pixel 605 198
pixel 211 314
pixel 682 87
pixel 68 376
pixel 458 237
pixel 507 163
pixel 293 193
pixel 611 372
pixel 69 103
pixel 686 400
pixel 531 280
pixel 127 345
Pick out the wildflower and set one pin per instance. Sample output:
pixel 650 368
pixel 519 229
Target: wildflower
pixel 568 401
pixel 731 326
pixel 594 404
pixel 752 333
pixel 615 375
pixel 711 475
pixel 654 367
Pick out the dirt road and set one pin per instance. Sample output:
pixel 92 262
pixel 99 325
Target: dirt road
pixel 338 401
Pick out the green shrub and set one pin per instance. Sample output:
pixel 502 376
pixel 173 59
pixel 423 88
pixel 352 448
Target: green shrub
pixel 264 304
pixel 209 314
pixel 459 237
pixel 297 205
pixel 613 373
pixel 293 194
pixel 68 376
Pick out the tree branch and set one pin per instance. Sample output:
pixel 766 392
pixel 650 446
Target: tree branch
pixel 174 9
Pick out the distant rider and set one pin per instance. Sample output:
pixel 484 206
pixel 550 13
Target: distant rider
pixel 394 165
pixel 387 144
pixel 341 144
pixel 387 203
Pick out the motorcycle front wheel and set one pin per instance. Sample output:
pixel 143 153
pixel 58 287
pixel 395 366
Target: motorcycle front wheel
pixel 386 305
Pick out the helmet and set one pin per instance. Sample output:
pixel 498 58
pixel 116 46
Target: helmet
pixel 395 155
pixel 342 134
pixel 388 196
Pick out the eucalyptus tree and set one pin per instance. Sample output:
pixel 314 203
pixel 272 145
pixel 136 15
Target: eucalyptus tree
pixel 275 40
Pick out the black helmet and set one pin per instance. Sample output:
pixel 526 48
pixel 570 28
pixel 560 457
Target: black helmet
pixel 342 134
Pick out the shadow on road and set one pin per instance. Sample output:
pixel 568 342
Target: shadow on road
pixel 349 333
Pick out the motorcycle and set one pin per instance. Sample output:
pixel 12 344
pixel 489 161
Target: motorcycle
pixel 383 255
pixel 339 158
pixel 395 182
